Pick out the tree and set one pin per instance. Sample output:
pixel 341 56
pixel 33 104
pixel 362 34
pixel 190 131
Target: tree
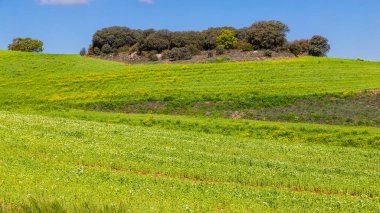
pixel 26 45
pixel 319 46
pixel 299 47
pixel 82 52
pixel 267 34
pixel 159 41
pixel 106 49
pixel 227 39
pixel 116 37
pixel 210 35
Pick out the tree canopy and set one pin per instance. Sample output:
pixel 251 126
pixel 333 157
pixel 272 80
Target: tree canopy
pixel 26 45
pixel 262 35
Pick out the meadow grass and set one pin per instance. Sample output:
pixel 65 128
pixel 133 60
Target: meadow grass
pixel 67 144
pixel 77 162
pixel 347 136
pixel 302 90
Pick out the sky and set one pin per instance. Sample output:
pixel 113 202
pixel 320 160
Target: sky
pixel 66 26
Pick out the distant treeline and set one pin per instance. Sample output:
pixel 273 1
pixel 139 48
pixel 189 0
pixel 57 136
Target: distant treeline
pixel 263 35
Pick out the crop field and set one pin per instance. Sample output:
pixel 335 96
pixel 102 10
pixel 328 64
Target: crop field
pixel 85 135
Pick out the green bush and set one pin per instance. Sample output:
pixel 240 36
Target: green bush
pixel 295 49
pixel 82 52
pixel 319 46
pixel 106 49
pixel 26 45
pixel 176 54
pixel 227 39
pixel 244 46
pixel 193 49
pixel 151 55
pixel 219 50
pixel 124 49
pixel 267 34
pixel 268 53
pixel 97 51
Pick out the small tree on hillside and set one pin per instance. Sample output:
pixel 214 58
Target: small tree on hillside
pixel 268 35
pixel 83 52
pixel 26 45
pixel 319 46
pixel 227 39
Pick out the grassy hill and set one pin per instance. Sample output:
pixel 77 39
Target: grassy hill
pixel 91 135
pixel 317 90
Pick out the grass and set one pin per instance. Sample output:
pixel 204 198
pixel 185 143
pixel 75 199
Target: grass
pixel 85 135
pixel 56 160
pixel 361 137
pixel 64 81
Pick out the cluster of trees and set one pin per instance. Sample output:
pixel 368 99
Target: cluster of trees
pixel 26 45
pixel 263 35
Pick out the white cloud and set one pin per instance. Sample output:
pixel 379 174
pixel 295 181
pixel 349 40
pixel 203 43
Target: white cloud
pixel 63 2
pixel 147 1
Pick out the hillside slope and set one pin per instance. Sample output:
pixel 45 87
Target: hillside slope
pixel 86 135
pixel 314 90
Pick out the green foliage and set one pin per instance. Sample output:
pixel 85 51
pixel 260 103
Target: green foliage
pixel 26 45
pixel 176 54
pixel 318 46
pixel 106 49
pixel 219 50
pixel 244 46
pixel 124 49
pixel 295 49
pixel 261 35
pixel 158 41
pixel 83 52
pixel 267 34
pixel 97 51
pixel 115 37
pixel 227 39
pixel 268 53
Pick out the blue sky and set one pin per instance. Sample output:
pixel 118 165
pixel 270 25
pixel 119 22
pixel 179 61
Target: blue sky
pixel 353 26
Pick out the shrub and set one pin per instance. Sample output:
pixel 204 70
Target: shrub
pixel 116 37
pixel 303 44
pixel 97 51
pixel 295 49
pixel 244 46
pixel 151 55
pixel 176 54
pixel 268 53
pixel 184 39
pixel 158 41
pixel 227 39
pixel 210 36
pixel 26 45
pixel 267 34
pixel 106 49
pixel 219 50
pixel 319 46
pixel 210 54
pixel 193 49
pixel 124 49
pixel 82 52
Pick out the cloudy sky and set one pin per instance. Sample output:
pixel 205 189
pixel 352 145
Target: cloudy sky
pixel 353 26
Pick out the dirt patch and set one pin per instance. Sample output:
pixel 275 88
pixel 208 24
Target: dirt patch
pixel 376 92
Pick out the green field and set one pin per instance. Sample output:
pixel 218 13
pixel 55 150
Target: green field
pixel 80 134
